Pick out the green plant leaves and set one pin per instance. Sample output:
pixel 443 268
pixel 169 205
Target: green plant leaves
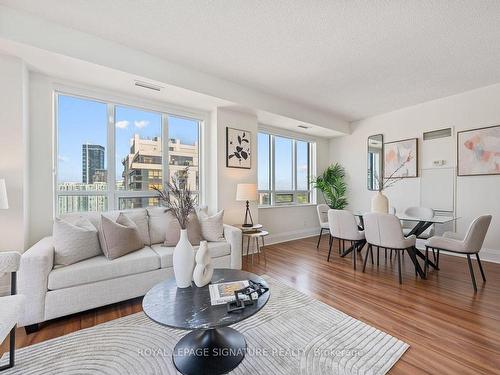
pixel 333 186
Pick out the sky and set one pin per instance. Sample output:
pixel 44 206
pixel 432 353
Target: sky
pixel 83 121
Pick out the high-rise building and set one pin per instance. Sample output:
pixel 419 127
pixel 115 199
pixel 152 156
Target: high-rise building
pixel 92 161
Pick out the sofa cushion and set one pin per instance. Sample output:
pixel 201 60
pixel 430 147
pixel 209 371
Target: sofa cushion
pixel 139 216
pixel 74 242
pixel 173 230
pixel 212 227
pixel 215 249
pixel 101 268
pixel 158 219
pixel 120 237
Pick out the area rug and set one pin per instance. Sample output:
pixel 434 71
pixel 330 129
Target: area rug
pixel 292 334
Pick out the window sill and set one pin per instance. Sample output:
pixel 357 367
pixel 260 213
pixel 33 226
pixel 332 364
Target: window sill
pixel 265 207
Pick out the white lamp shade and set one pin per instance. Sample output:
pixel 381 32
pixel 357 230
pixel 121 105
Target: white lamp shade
pixel 4 203
pixel 246 192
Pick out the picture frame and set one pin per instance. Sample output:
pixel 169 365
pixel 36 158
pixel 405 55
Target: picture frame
pixel 395 153
pixel 238 148
pixel 478 151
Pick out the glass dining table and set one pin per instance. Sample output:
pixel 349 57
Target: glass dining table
pixel 421 225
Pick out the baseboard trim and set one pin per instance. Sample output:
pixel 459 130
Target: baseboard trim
pixel 292 235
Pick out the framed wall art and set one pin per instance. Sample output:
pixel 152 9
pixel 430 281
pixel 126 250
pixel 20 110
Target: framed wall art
pixel 478 151
pixel 238 148
pixel 401 158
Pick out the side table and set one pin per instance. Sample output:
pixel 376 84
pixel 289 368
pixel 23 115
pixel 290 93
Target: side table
pixel 256 235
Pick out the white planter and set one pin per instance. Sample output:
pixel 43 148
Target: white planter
pixel 203 271
pixel 380 203
pixel 183 260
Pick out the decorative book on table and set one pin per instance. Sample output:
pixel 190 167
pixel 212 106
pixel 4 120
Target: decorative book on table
pixel 222 293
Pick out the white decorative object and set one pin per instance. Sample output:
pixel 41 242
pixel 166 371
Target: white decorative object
pixel 204 269
pixel 380 203
pixel 183 261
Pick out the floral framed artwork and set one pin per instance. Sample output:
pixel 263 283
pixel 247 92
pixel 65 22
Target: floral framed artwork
pixel 478 151
pixel 401 158
pixel 238 148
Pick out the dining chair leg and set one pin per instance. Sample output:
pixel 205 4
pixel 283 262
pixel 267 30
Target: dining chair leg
pixel 385 257
pixel 437 259
pixel 378 255
pixel 426 264
pixel 319 238
pixel 330 240
pixel 471 270
pixel 12 349
pixel 330 250
pixel 480 267
pixel 399 266
pixel 354 253
pixel 366 256
pixel 434 255
pixel 371 253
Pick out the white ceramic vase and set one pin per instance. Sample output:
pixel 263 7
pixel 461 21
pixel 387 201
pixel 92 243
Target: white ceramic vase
pixel 204 270
pixel 183 260
pixel 380 203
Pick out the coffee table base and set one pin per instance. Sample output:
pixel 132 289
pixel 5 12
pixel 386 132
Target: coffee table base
pixel 210 351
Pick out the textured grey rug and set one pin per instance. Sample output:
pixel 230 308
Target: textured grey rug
pixel 292 334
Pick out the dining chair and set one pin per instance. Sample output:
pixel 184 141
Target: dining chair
pixel 343 226
pixel 322 210
pixel 418 212
pixel 469 245
pixel 384 231
pixel 10 306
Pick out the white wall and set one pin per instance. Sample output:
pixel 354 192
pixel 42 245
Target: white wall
pixel 474 195
pixel 14 152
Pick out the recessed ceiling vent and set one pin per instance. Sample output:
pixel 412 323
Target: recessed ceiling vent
pixel 147 85
pixel 435 134
pixel 303 126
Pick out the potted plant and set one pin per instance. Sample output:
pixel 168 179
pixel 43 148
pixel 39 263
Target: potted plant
pixel 333 186
pixel 180 202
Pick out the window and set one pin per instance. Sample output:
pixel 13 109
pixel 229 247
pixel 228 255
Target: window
pixel 284 173
pixel 110 156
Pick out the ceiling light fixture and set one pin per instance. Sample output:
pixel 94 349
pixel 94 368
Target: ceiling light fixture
pixel 149 86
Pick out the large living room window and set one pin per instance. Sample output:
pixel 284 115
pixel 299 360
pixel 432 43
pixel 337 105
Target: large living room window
pixel 110 156
pixel 284 170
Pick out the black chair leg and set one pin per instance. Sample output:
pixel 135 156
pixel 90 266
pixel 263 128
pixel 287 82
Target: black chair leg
pixel 399 266
pixel 386 255
pixel 434 255
pixel 366 256
pixel 330 239
pixel 471 270
pixel 319 238
pixel 426 264
pixel 354 246
pixel 378 256
pixel 437 259
pixel 371 253
pixel 480 267
pixel 330 250
pixel 12 350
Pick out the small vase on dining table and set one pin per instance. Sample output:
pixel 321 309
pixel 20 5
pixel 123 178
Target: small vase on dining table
pixel 380 203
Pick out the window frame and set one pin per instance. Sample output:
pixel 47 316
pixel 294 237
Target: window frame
pixel 112 101
pixel 273 193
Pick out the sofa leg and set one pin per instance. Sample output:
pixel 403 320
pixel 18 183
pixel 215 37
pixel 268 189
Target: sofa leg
pixel 32 328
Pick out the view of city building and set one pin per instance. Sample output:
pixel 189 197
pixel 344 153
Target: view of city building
pixel 142 170
pixel 92 162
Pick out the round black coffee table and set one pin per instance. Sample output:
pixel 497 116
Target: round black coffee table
pixel 212 347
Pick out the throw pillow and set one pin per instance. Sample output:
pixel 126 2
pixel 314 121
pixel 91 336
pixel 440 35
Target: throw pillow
pixel 212 227
pixel 120 237
pixel 173 230
pixel 74 242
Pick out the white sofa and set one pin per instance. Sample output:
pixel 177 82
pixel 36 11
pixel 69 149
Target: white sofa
pixel 55 291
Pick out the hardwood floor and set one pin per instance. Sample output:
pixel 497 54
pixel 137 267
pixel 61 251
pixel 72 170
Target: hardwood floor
pixel 450 329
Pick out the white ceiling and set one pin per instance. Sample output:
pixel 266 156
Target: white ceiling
pixel 354 58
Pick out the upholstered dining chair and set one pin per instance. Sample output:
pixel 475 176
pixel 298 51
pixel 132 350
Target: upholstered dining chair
pixel 322 210
pixel 469 245
pixel 343 226
pixel 418 212
pixel 10 306
pixel 384 231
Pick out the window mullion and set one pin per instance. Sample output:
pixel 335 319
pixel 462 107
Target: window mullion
pixel 272 197
pixel 165 149
pixel 112 204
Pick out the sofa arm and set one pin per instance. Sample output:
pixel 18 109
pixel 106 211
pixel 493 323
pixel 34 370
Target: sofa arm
pixel 233 235
pixel 36 264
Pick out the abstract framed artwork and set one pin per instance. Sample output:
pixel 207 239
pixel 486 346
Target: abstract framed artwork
pixel 478 151
pixel 238 148
pixel 396 155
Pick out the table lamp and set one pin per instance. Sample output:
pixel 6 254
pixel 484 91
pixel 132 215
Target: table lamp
pixel 247 192
pixel 4 203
